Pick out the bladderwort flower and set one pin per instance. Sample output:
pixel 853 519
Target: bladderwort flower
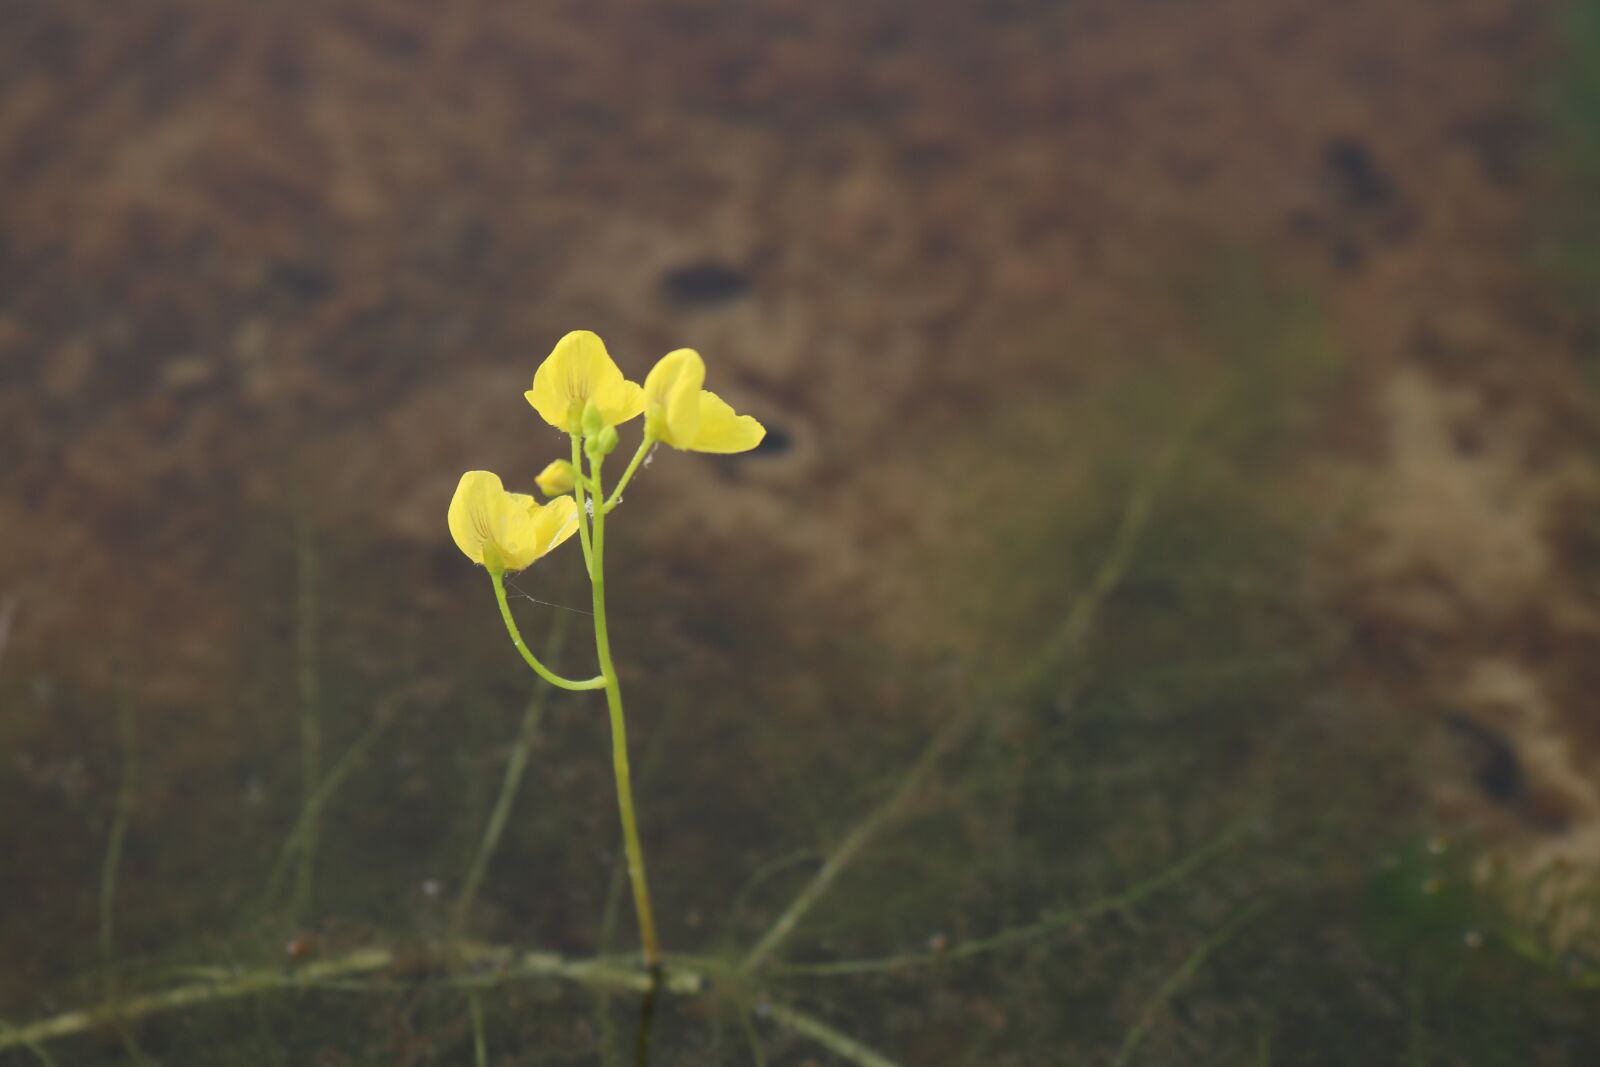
pixel 504 531
pixel 580 390
pixel 579 372
pixel 680 413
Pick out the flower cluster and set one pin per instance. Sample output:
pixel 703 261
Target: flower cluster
pixel 581 390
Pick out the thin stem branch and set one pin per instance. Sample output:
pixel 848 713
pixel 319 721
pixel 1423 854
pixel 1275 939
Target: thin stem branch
pixel 117 838
pixel 1050 923
pixel 1066 644
pixel 309 691
pixel 1069 637
pixel 470 966
pixel 480 1047
pixel 597 682
pixel 312 810
pixel 509 784
pixel 858 838
pixel 1179 978
pixel 639 457
pixel 11 1034
pixel 835 1041
pixel 758 1054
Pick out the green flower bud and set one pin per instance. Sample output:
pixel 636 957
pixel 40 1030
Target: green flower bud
pixel 557 478
pixel 593 421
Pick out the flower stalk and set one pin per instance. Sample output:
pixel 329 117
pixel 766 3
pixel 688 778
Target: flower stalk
pixel 619 730
pixel 499 580
pixel 578 389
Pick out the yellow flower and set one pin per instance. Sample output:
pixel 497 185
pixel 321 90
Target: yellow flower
pixel 506 531
pixel 579 371
pixel 680 413
pixel 556 478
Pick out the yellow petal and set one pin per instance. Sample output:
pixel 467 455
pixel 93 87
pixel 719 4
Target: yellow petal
pixel 472 512
pixel 721 430
pixel 620 401
pixel 577 370
pixel 555 522
pixel 516 533
pixel 672 397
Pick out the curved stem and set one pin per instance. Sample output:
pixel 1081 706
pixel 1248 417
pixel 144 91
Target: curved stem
pixel 516 639
pixel 619 737
pixel 627 475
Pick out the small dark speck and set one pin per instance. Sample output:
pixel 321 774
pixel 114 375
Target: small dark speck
pixel 704 283
pixel 302 281
pixel 1359 180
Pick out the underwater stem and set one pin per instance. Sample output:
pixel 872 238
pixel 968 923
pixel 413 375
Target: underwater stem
pixel 619 736
pixel 310 707
pixel 1179 978
pixel 472 966
pixel 119 827
pixel 858 838
pixel 516 639
pixel 508 786
pixel 311 810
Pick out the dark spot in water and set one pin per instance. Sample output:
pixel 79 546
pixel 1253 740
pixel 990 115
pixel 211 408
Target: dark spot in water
pixel 704 283
pixel 1357 179
pixel 1497 769
pixel 1468 440
pixel 301 280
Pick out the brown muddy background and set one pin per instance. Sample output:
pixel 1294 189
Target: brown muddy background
pixel 273 276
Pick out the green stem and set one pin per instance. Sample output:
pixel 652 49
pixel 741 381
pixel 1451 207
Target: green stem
pixel 627 475
pixel 516 639
pixel 578 482
pixel 1179 978
pixel 619 735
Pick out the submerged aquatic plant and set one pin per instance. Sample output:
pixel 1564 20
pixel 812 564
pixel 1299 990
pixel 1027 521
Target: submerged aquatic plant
pixel 579 389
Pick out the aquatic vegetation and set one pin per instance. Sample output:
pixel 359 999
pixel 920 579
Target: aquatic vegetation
pixel 580 389
pixel 1114 846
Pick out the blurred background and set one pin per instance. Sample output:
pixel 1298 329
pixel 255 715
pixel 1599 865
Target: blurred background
pixel 1182 413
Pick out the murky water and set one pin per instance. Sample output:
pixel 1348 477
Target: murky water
pixel 1076 674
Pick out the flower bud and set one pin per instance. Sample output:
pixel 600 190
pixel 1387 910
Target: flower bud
pixel 593 421
pixel 608 440
pixel 557 478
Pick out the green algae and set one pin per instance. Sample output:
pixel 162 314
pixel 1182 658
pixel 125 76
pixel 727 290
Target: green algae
pixel 1188 838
